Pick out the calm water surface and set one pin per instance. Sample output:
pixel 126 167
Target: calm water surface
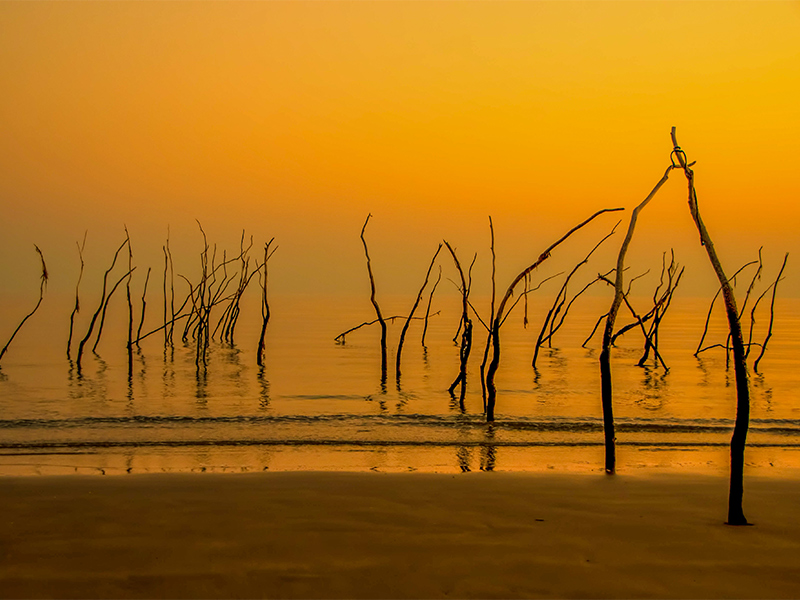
pixel 317 404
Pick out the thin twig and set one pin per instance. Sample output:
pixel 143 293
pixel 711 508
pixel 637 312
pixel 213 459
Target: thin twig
pixel 413 309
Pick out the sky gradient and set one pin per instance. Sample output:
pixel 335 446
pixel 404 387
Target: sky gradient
pixel 296 119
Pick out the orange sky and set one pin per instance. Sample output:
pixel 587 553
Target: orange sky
pixel 296 119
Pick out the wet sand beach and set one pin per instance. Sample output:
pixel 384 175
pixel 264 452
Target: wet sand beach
pixel 374 535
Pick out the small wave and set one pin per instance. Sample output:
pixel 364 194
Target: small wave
pixel 49 447
pixel 784 427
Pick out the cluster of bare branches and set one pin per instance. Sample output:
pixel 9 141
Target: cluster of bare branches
pixel 558 311
pixel 220 285
pixel 662 298
pixel 744 316
pixel 210 309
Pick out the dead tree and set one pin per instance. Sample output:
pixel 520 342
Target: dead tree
pixel 169 323
pixel 265 312
pixel 384 359
pixel 608 332
pixel 144 307
pixel 465 326
pixel 42 287
pixel 491 390
pixel 130 305
pixel 76 309
pixel 105 308
pixel 485 358
pixel 103 296
pixel 411 314
pixel 739 438
pixel 428 309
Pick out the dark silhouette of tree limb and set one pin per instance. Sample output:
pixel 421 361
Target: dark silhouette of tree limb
pixel 42 287
pixel 411 313
pixel 428 309
pixel 77 306
pixel 144 307
pixel 265 312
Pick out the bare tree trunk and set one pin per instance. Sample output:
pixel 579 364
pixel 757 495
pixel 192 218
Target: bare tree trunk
pixel 265 313
pixel 76 309
pixel 169 335
pixel 130 307
pixel 491 316
pixel 608 333
pixel 384 358
pixel 739 438
pixel 144 307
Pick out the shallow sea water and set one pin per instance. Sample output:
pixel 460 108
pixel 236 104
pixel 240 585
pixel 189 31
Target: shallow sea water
pixel 320 405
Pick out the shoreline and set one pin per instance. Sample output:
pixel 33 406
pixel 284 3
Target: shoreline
pixel 771 461
pixel 393 535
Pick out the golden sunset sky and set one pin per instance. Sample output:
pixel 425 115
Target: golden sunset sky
pixel 296 119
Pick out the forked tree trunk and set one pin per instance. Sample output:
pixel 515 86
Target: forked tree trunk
pixel 739 438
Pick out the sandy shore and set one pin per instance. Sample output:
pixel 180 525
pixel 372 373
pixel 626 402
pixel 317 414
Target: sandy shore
pixel 321 535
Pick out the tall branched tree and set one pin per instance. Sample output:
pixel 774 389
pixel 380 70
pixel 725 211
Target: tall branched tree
pixel 739 438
